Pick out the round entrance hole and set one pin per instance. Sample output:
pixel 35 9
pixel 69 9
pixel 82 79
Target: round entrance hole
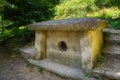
pixel 62 46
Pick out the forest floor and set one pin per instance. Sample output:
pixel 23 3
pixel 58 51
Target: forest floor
pixel 14 67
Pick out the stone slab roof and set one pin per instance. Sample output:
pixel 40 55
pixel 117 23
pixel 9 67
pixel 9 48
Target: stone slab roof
pixel 77 24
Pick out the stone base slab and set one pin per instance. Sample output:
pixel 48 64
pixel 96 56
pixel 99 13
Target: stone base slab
pixel 53 67
pixel 28 52
pixel 59 69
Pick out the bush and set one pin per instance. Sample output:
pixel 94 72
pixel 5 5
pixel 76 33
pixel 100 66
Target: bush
pixel 74 8
pixel 115 23
pixel 23 12
pixel 105 9
pixel 106 13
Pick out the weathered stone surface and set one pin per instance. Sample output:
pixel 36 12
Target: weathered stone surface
pixel 109 74
pixel 111 49
pixel 71 56
pixel 28 52
pixel 112 42
pixel 91 43
pixel 112 36
pixel 62 70
pixel 86 51
pixel 96 41
pixel 111 31
pixel 78 24
pixel 71 42
pixel 40 45
pixel 110 68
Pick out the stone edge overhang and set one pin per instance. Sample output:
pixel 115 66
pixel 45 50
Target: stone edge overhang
pixel 76 24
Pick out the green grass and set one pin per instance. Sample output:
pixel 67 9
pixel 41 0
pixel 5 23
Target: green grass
pixel 40 69
pixel 89 75
pixel 100 60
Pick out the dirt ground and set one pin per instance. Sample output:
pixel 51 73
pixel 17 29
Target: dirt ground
pixel 13 67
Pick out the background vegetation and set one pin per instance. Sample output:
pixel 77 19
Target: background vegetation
pixel 105 9
pixel 16 14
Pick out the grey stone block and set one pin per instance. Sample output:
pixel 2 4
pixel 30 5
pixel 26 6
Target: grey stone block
pixel 59 69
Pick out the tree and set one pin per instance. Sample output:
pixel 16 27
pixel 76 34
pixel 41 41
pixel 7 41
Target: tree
pixel 23 12
pixel 2 3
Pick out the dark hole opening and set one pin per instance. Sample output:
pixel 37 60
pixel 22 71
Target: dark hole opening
pixel 62 46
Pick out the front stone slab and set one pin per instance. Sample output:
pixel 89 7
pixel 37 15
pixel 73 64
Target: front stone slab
pixel 59 69
pixel 63 48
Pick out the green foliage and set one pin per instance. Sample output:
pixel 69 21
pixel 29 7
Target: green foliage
pixel 2 3
pixel 115 23
pixel 40 69
pixel 89 75
pixel 107 3
pixel 88 8
pixel 113 15
pixel 105 9
pixel 5 35
pixel 106 13
pixel 23 12
pixel 75 8
pixel 100 60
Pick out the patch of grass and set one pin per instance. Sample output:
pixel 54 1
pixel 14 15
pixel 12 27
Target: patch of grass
pixel 100 60
pixel 89 75
pixel 40 69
